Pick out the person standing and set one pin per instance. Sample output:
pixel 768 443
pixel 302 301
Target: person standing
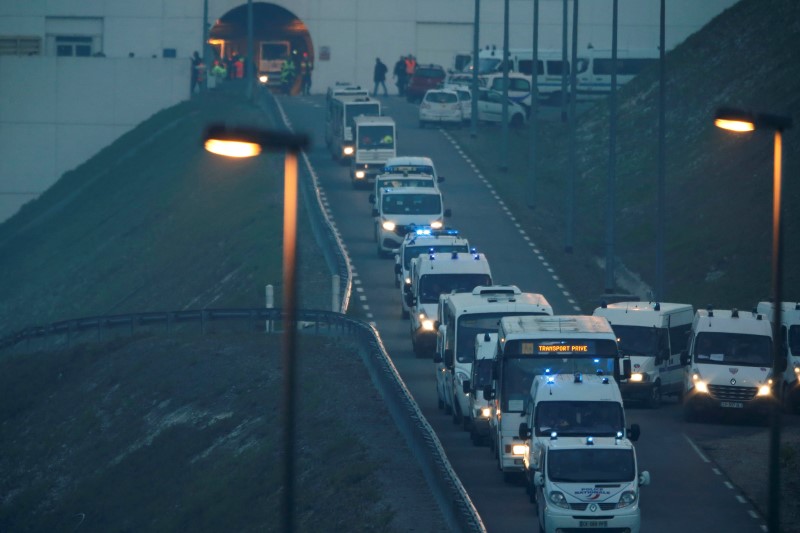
pixel 198 72
pixel 400 75
pixel 287 76
pixel 379 77
pixel 305 72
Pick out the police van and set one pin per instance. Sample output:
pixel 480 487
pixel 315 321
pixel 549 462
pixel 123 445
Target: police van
pixel 479 411
pixel 728 364
pixel 413 165
pixel 422 240
pixel 375 143
pixel 402 208
pixel 529 346
pixel 790 340
pixel 653 334
pixel 571 405
pixel 589 484
pixel 461 317
pixel 435 274
pixel 340 123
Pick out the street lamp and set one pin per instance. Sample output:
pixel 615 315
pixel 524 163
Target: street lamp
pixel 249 142
pixel 744 121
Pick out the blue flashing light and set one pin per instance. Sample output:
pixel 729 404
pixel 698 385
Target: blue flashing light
pixel 600 372
pixel 473 250
pixel 590 441
pixel 619 434
pixel 422 231
pixel 605 381
pixel 476 256
pixel 547 371
pixel 551 380
pixel 553 435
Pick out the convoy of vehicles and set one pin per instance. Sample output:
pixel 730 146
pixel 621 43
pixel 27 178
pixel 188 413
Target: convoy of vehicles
pixel 653 334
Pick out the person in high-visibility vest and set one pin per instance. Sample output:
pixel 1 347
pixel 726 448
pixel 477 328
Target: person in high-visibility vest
pixel 287 76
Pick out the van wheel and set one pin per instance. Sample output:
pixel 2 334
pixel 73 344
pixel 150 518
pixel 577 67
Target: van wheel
pixel 474 437
pixel 654 401
pixel 403 312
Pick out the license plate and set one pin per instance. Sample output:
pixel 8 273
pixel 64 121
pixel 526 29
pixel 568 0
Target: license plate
pixel 734 405
pixel 593 523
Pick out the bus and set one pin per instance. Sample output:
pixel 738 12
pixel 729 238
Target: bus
pixel 339 125
pixel 528 346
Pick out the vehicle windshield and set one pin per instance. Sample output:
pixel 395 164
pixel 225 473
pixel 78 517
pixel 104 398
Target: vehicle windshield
pixel 376 137
pixel 409 169
pixel 590 465
pixel 482 373
pixel 401 181
pixel 640 340
pixel 428 73
pixel 794 340
pixel 733 349
pixel 432 285
pixel 470 325
pixel 411 252
pixel 274 50
pixel 356 110
pixel 439 97
pixel 486 65
pixel 579 418
pixel 518 373
pixel 411 204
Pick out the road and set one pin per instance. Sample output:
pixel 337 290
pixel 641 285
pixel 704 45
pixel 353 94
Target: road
pixel 687 493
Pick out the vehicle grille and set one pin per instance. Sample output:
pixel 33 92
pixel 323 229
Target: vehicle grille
pixel 583 506
pixel 731 393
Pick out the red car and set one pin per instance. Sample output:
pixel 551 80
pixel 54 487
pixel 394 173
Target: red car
pixel 425 77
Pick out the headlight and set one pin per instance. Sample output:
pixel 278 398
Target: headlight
pixel 558 499
pixel 388 225
pixel 765 390
pixel 427 324
pixel 407 281
pixel 348 150
pixel 263 78
pixel 797 368
pixel 638 376
pixel 486 412
pixel 437 224
pixel 360 174
pixel 627 498
pixel 519 449
pixel 699 384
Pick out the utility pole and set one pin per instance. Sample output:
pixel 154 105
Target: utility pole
pixel 473 123
pixel 570 208
pixel 534 109
pixel 504 143
pixel 612 158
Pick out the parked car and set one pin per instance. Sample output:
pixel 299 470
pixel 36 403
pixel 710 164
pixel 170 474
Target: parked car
pixel 490 109
pixel 425 77
pixel 440 106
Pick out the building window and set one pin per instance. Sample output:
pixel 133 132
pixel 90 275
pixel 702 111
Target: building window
pixel 74 46
pixel 20 46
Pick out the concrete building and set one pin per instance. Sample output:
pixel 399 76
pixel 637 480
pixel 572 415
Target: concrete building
pixel 77 74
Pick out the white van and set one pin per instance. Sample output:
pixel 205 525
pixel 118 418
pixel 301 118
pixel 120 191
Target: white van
pixel 653 334
pixel 570 405
pixel 589 484
pixel 402 208
pixel 461 317
pixel 729 363
pixel 790 339
pixel 593 69
pixel 433 275
pixel 519 86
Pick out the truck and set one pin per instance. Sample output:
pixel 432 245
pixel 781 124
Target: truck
pixel 653 334
pixel 376 142
pixel 271 57
pixel 529 346
pixel 461 317
pixel 729 364
pixel 570 405
pixel 435 274
pixel 790 340
pixel 589 484
pixel 340 123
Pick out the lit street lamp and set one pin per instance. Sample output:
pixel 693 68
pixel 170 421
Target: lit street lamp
pixel 743 121
pixel 247 142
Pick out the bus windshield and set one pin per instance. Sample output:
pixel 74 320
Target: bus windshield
pixel 588 465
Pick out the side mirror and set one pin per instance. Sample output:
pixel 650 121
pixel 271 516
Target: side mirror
pixel 538 479
pixel 685 359
pixel 633 432
pixel 448 357
pixel 448 213
pixel 488 393
pixel 397 268
pixel 372 198
pixel 524 431
pixel 644 478
pixel 466 386
pixel 375 212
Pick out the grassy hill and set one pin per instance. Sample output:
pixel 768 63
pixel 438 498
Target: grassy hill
pixel 718 185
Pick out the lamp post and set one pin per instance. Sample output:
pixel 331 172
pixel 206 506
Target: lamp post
pixel 248 142
pixel 744 121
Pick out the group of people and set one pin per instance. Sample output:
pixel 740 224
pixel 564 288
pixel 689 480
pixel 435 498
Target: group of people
pixel 222 69
pixel 289 73
pixel 403 70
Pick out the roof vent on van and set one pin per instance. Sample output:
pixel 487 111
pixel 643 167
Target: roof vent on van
pixel 797 306
pixel 599 372
pixel 657 307
pixel 759 316
pixel 710 310
pixel 604 304
pixel 734 313
pixel 578 377
pixel 454 255
pixel 486 337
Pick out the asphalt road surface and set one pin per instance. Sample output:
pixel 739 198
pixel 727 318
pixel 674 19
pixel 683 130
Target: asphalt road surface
pixel 687 493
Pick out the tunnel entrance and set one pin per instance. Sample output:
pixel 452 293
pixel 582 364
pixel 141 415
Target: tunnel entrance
pixel 278 36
